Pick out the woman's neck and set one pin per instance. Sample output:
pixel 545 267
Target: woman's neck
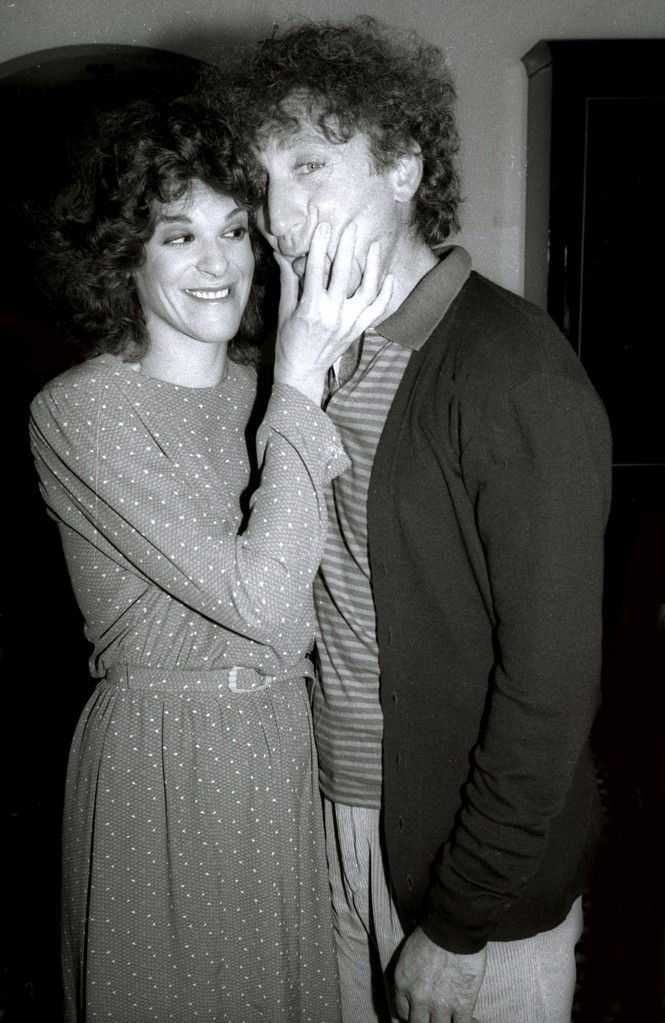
pixel 195 365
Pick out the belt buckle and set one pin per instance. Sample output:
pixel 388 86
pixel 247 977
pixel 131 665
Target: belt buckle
pixel 234 682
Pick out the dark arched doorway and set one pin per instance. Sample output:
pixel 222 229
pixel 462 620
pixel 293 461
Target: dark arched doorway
pixel 47 101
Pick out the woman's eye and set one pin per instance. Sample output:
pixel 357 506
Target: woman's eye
pixel 179 239
pixel 236 233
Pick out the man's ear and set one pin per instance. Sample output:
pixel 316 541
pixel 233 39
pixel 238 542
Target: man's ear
pixel 407 175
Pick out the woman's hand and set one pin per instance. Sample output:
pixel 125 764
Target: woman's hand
pixel 319 320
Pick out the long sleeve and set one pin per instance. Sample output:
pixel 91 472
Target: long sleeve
pixel 537 472
pixel 144 496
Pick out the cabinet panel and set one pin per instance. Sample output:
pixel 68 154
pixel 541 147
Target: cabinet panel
pixel 595 259
pixel 595 253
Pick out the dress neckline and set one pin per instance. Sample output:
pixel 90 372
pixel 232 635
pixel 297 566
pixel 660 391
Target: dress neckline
pixel 144 380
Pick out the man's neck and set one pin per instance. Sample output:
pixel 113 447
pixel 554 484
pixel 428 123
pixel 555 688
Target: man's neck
pixel 411 261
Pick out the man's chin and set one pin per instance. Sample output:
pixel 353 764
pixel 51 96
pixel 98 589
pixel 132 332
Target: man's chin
pixel 299 265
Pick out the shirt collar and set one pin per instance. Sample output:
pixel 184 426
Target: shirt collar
pixel 424 307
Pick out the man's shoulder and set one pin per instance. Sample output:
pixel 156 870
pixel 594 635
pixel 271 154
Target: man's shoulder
pixel 492 334
pixel 487 312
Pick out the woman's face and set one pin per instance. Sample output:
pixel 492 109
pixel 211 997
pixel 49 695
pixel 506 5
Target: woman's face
pixel 197 274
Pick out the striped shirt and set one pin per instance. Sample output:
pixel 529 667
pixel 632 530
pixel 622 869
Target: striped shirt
pixel 345 702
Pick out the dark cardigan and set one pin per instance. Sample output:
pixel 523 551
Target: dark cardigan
pixel 487 507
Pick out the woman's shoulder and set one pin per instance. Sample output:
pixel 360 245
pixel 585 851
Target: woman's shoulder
pixel 90 382
pixel 81 392
pixel 67 413
pixel 100 368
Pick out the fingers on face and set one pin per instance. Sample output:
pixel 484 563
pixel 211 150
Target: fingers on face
pixel 316 269
pixel 288 284
pixel 372 270
pixel 336 270
pixel 343 261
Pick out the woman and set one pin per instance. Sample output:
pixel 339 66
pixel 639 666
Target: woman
pixel 194 882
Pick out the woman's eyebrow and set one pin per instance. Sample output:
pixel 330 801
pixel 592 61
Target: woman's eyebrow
pixel 174 218
pixel 180 218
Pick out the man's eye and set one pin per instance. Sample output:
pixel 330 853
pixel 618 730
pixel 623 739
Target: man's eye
pixel 178 239
pixel 310 166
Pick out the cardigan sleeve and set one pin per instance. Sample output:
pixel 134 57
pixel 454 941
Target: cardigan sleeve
pixel 538 472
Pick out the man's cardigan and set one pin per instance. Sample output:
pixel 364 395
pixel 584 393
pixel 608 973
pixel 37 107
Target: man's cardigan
pixel 487 507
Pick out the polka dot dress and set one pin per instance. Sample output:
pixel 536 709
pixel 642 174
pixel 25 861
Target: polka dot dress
pixel 194 876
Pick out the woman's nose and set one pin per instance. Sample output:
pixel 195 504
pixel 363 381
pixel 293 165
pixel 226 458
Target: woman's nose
pixel 213 258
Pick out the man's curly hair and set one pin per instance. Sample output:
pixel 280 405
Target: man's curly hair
pixel 358 77
pixel 140 156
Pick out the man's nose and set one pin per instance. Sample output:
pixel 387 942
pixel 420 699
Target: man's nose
pixel 284 209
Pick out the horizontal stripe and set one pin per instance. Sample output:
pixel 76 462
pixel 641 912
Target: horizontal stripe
pixel 347 713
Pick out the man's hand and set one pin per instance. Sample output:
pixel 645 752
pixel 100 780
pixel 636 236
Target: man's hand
pixel 436 986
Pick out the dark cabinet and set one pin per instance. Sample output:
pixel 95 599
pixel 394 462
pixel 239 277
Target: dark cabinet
pixel 595 232
pixel 595 259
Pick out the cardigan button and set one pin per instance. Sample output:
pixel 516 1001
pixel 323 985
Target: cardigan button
pixel 409 882
pixel 393 697
pixel 400 824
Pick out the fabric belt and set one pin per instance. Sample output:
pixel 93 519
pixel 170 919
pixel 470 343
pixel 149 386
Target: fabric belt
pixel 217 680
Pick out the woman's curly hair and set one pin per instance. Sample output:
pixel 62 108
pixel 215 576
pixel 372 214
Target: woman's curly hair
pixel 359 77
pixel 140 156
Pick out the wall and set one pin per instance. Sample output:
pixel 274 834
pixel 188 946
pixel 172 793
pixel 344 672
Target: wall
pixel 484 41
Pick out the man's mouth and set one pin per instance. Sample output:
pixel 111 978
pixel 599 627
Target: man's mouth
pixel 208 294
pixel 299 264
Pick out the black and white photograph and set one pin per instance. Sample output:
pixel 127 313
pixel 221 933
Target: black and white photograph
pixel 332 630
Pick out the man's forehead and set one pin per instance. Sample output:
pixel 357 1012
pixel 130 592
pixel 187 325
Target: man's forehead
pixel 302 107
pixel 304 131
pixel 301 118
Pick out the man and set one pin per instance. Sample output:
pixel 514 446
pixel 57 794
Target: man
pixel 459 599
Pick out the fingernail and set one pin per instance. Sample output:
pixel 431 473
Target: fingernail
pixel 323 227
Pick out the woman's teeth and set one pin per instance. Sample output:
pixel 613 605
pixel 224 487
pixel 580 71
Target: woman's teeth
pixel 211 295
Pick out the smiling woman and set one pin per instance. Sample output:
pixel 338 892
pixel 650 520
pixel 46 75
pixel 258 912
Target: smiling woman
pixel 194 874
pixel 194 283
pixel 135 218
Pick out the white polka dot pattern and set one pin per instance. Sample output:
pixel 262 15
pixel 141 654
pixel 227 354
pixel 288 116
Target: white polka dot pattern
pixel 194 878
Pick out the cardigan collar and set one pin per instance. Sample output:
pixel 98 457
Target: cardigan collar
pixel 424 308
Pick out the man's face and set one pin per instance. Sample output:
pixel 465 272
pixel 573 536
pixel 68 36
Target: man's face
pixel 313 180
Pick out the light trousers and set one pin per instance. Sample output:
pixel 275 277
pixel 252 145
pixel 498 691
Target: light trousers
pixel 527 981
